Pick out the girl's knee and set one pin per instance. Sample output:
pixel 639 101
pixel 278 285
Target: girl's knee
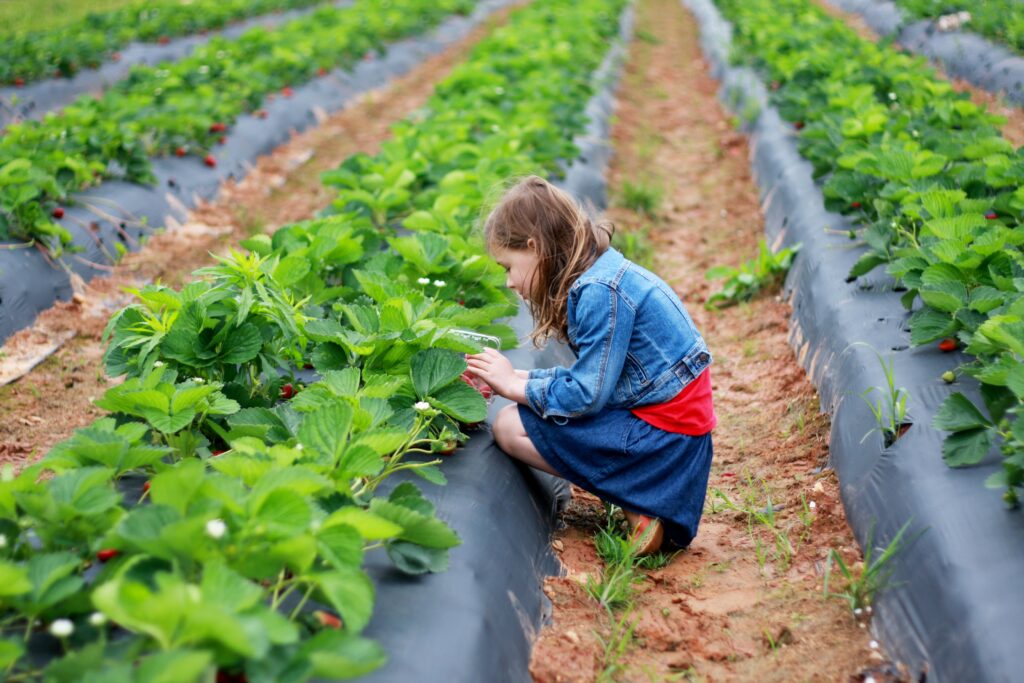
pixel 506 426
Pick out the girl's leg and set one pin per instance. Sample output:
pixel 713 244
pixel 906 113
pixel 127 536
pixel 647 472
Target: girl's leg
pixel 511 437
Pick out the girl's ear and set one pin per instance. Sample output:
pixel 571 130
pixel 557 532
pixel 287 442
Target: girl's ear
pixel 531 244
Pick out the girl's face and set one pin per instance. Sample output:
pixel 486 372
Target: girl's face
pixel 520 267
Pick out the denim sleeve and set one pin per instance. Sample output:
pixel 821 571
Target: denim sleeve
pixel 604 325
pixel 541 373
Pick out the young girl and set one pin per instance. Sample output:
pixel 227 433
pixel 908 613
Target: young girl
pixel 631 420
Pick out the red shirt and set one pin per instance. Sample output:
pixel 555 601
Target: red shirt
pixel 691 412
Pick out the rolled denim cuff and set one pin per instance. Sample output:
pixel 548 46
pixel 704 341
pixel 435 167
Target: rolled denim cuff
pixel 536 389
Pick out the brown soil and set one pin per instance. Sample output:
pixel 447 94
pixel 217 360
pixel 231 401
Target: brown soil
pixel 53 399
pixel 716 612
pixel 1012 129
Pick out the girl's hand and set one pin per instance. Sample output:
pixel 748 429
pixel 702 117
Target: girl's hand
pixel 496 370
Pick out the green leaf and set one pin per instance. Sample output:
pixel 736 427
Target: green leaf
pixel 176 666
pixel 434 368
pixel 243 344
pixel 350 592
pixel 339 655
pixel 13 580
pixel 370 526
pixel 416 527
pixel 291 269
pixel 958 414
pixel 326 430
pixel 223 586
pixel 460 401
pixel 928 325
pixel 417 559
pixel 967 447
pixel 283 512
pixel 10 652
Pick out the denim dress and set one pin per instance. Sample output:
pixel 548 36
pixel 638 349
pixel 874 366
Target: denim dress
pixel 635 345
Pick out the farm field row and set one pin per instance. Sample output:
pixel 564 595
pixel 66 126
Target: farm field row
pixel 935 189
pixel 62 51
pixel 204 367
pixel 180 109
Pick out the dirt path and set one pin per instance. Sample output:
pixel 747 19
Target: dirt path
pixel 1013 129
pixel 47 404
pixel 732 607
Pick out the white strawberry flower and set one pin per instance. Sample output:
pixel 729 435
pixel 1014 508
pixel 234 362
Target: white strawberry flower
pixel 3 540
pixel 812 505
pixel 216 528
pixel 158 364
pixel 424 281
pixel 61 628
pixel 439 283
pixel 421 406
pixel 97 618
pixel 198 380
pixel 298 446
pixel 858 611
pixel 873 644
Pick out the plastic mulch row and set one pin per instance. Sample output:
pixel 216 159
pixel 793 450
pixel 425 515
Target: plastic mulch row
pixel 962 54
pixel 34 100
pixel 955 607
pixel 121 212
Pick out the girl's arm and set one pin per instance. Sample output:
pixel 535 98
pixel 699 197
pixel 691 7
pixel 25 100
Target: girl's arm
pixel 603 327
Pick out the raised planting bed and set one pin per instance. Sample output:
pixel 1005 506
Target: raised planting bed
pixel 183 109
pixel 985 51
pixel 265 485
pixel 117 215
pixel 85 44
pixel 954 607
pixel 34 100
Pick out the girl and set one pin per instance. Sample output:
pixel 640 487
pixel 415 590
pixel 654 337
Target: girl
pixel 631 420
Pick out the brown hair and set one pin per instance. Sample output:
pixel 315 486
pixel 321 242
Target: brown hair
pixel 567 243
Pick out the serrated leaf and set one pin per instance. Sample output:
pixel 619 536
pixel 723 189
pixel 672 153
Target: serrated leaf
pixel 460 401
pixel 967 447
pixel 957 414
pixel 432 369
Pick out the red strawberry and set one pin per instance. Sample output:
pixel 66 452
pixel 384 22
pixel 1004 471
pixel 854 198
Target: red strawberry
pixel 210 160
pixel 327 620
pixel 58 213
pixel 486 391
pixel 163 40
pixel 180 152
pixel 287 391
pixel 307 366
pixel 799 125
pixel 991 215
pixel 18 82
pixel 855 205
pixel 948 344
pixel 214 454
pixel 261 113
pixel 218 127
pixel 287 91
pixel 107 554
pixel 145 487
pixel 462 302
pixel 322 71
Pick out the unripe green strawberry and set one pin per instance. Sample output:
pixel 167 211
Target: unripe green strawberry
pixel 949 377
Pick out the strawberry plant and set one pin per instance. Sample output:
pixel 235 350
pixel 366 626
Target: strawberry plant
pixel 939 201
pixel 260 502
pixel 187 105
pixel 1000 20
pixel 85 44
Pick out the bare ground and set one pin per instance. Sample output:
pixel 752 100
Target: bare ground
pixel 717 612
pixel 49 402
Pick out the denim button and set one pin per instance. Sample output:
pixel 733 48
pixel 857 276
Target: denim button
pixel 703 358
pixel 559 420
